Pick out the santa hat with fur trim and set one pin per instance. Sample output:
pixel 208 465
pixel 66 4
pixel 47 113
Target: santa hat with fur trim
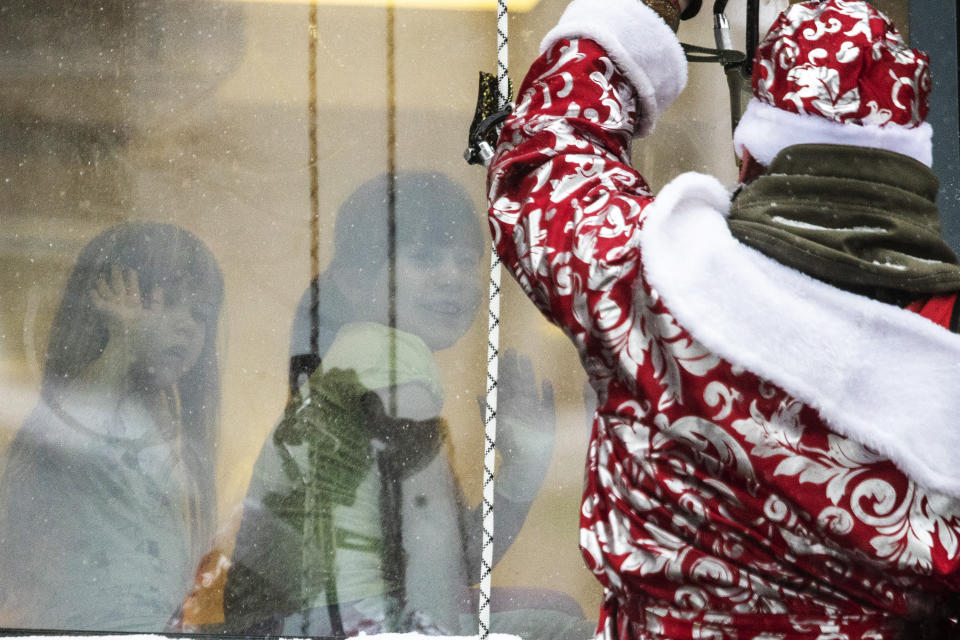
pixel 837 72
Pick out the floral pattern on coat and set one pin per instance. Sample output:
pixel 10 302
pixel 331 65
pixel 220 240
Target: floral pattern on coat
pixel 874 78
pixel 716 505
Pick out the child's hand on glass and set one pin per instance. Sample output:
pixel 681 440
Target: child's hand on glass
pixel 526 428
pixel 126 312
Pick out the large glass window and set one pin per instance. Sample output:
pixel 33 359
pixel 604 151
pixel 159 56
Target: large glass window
pixel 243 321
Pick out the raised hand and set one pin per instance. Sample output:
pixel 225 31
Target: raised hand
pixel 519 400
pixel 525 433
pixel 526 428
pixel 126 312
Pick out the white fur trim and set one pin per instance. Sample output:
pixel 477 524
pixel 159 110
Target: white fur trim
pixel 766 131
pixel 638 41
pixel 878 374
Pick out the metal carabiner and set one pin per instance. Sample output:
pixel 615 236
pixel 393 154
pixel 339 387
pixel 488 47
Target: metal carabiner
pixel 737 65
pixel 721 32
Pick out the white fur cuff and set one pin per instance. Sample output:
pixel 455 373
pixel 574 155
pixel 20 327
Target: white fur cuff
pixel 766 131
pixel 638 41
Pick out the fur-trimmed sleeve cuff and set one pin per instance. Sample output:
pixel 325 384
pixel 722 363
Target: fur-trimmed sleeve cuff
pixel 638 41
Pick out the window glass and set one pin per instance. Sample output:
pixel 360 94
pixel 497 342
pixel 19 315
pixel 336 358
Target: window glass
pixel 936 31
pixel 243 322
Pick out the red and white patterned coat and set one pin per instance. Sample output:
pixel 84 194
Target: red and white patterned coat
pixel 772 458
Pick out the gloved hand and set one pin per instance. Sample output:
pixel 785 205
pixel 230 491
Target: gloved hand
pixel 672 10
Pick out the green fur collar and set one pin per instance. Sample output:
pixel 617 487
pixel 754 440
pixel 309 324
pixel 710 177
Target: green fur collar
pixel 864 220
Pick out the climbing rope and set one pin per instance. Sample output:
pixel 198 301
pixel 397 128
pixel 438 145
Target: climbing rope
pixel 313 157
pixel 490 439
pixel 493 357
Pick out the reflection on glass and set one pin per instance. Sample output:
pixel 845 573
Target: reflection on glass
pixel 107 489
pixel 354 521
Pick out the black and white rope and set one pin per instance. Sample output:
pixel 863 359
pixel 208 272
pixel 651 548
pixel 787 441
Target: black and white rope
pixel 489 442
pixel 493 360
pixel 503 75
